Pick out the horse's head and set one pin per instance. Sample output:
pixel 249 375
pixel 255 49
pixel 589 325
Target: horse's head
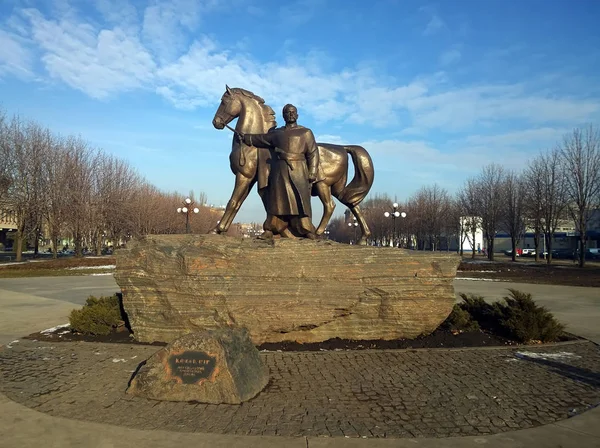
pixel 230 108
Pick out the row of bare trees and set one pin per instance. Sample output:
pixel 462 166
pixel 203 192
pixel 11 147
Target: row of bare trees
pixel 63 188
pixel 558 185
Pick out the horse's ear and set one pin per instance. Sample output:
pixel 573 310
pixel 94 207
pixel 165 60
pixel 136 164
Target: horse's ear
pixel 228 90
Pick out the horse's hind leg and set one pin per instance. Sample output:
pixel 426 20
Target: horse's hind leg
pixel 242 187
pixel 324 193
pixel 365 232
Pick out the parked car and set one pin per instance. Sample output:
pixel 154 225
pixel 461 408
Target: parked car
pixel 528 252
pixel 563 254
pixel 509 252
pixel 592 254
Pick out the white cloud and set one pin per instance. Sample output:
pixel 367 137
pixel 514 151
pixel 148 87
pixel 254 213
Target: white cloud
pixel 15 57
pixel 165 24
pixel 120 12
pixel 328 138
pixel 525 137
pixel 147 49
pixel 450 57
pixel 299 12
pixel 461 109
pixel 98 63
pixel 434 25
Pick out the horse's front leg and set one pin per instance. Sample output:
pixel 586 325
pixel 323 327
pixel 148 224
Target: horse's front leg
pixel 242 188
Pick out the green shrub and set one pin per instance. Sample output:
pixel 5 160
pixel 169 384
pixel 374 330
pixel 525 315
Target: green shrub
pixel 518 318
pixel 460 319
pixel 523 320
pixel 97 317
pixel 480 311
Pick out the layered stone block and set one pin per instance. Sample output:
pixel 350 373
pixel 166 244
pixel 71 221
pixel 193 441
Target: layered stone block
pixel 282 290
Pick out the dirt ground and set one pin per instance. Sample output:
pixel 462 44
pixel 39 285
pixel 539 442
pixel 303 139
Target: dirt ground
pixel 440 338
pixel 526 270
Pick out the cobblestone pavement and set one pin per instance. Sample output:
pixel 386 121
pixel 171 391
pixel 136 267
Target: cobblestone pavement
pixel 403 393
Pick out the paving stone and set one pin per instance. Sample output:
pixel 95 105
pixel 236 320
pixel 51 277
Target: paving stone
pixel 377 394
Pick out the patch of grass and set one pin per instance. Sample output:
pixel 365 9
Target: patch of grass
pixel 99 316
pixel 57 267
pixel 51 273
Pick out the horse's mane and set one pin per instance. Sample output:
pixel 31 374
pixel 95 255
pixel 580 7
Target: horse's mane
pixel 268 112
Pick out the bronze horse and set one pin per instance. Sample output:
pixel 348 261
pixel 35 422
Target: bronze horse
pixel 255 117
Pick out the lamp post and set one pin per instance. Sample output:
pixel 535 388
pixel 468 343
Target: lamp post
pixel 187 209
pixel 355 224
pixel 394 214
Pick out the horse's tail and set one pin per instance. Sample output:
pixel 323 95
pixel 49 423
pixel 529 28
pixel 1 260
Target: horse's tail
pixel 364 174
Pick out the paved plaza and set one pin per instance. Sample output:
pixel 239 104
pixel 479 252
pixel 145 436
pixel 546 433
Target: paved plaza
pixel 374 393
pixel 525 396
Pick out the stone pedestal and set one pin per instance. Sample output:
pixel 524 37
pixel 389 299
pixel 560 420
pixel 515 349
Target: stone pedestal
pixel 283 290
pixel 215 366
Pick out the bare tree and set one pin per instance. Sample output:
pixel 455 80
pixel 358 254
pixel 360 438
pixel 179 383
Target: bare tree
pixel 38 141
pixel 490 183
pixel 374 209
pixel 19 190
pixel 553 196
pixel 469 204
pixel 6 156
pixel 513 218
pixel 452 225
pixel 580 153
pixel 428 211
pixel 56 207
pixel 80 166
pixel 534 201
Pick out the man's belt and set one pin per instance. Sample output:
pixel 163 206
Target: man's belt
pixel 289 157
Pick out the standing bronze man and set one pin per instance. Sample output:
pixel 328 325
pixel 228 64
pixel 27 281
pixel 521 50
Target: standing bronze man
pixel 294 164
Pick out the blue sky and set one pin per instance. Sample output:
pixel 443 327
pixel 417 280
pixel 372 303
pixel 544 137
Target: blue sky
pixel 433 90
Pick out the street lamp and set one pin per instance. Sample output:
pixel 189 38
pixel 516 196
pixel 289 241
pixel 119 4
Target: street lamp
pixel 187 209
pixel 394 214
pixel 355 224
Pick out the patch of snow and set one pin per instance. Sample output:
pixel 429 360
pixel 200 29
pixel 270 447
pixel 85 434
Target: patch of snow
pixel 50 330
pixel 12 262
pixel 64 332
pixel 105 266
pixel 475 271
pixel 119 360
pixel 104 273
pixel 22 262
pixel 10 344
pixel 480 279
pixel 547 356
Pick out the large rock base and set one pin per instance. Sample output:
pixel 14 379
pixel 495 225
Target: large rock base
pixel 218 366
pixel 283 290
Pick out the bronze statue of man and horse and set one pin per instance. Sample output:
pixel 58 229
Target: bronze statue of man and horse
pixel 250 164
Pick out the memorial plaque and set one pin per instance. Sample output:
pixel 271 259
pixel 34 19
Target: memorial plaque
pixel 215 366
pixel 192 367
